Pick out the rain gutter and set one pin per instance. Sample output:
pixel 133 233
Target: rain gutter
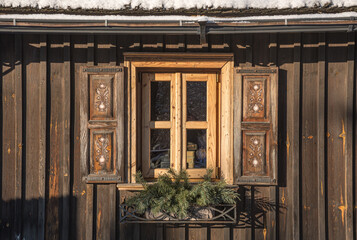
pixel 197 27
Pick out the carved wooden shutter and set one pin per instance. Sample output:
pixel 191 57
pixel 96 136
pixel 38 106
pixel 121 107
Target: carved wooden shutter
pixel 102 123
pixel 255 125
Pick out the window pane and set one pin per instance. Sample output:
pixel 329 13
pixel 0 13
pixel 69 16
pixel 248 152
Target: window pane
pixel 160 148
pixel 196 148
pixel 160 101
pixel 196 101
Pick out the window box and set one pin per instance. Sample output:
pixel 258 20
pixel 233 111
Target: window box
pixel 218 214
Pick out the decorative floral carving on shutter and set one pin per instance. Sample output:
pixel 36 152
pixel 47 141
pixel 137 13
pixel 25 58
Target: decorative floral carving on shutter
pixel 255 125
pixel 102 123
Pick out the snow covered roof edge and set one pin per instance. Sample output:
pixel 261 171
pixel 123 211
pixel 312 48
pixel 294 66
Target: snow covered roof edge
pixel 175 4
pixel 345 15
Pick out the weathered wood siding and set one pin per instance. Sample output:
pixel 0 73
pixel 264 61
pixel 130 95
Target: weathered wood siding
pixel 41 187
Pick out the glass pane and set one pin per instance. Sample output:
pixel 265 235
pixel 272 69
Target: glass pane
pixel 196 148
pixel 196 101
pixel 160 101
pixel 160 148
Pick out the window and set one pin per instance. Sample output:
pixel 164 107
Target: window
pixel 181 113
pixel 180 110
pixel 179 122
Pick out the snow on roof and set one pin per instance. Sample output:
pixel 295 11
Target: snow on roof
pixel 177 17
pixel 175 4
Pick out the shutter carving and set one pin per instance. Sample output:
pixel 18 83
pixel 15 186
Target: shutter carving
pixel 255 125
pixel 102 123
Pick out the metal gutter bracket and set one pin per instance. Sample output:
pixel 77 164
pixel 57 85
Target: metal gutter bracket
pixel 202 31
pixel 351 28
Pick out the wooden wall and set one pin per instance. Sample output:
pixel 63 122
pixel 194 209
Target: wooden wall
pixel 41 187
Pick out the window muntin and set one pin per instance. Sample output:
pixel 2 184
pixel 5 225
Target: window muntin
pixel 183 134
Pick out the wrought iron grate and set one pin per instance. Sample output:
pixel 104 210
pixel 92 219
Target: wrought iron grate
pixel 220 214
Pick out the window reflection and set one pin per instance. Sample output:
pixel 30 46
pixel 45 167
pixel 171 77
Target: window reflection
pixel 196 148
pixel 160 148
pixel 196 101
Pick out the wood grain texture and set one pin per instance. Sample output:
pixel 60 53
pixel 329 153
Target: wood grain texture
pixel 337 155
pixel 321 133
pixel 57 206
pixel 315 196
pixel 309 125
pixel 12 141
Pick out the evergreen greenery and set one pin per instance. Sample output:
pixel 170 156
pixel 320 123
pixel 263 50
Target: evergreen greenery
pixel 172 194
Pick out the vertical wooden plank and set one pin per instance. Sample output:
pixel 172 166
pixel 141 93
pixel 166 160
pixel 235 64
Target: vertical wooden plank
pixel 240 57
pixel 42 133
pixel 219 43
pixel 196 232
pixel 285 63
pixel 259 55
pixel 11 136
pixel 238 48
pixel 105 215
pixel 193 44
pixel 52 204
pixel 309 181
pixel 84 147
pixel 58 202
pixel 338 148
pixel 105 195
pixel 66 120
pixel 128 43
pixel 260 49
pixel 8 137
pixel 219 232
pixel 293 143
pixel 355 141
pixel 248 232
pixel 237 127
pixel 174 43
pixel 271 224
pixel 79 194
pixel 18 98
pixel 348 153
pixel 34 184
pixel 321 130
pixel 174 232
pixel 249 50
pixel 260 227
pixel 152 43
pixel 42 137
pixel 227 123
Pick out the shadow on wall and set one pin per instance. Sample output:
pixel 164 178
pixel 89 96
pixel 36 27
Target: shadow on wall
pixel 252 209
pixel 28 219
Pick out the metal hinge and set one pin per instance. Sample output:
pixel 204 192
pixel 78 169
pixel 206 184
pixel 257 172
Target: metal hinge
pixel 217 78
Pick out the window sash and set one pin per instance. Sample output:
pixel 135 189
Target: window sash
pixel 177 125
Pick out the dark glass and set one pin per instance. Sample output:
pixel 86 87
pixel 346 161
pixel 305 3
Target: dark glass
pixel 160 101
pixel 160 148
pixel 196 101
pixel 196 148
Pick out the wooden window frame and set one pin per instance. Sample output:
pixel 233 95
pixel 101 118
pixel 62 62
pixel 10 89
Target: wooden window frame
pixel 220 62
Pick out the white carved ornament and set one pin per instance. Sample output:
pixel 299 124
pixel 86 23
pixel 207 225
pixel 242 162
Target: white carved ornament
pixel 102 97
pixel 101 150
